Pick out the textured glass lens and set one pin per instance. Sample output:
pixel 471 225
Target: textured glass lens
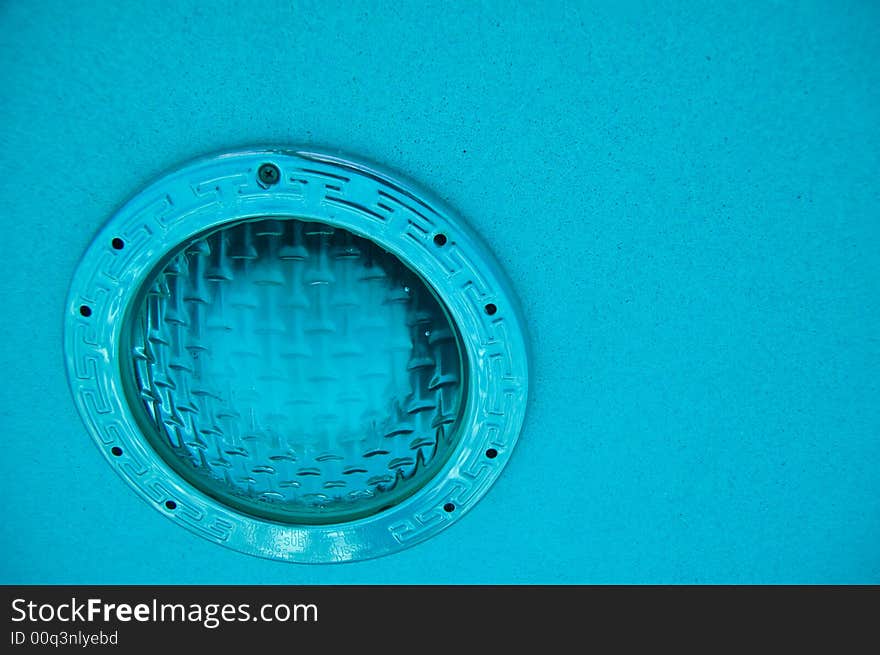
pixel 295 371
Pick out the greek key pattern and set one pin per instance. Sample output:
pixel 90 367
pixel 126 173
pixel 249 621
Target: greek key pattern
pixel 214 191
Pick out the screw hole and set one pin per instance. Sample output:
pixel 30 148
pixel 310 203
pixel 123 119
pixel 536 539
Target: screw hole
pixel 170 504
pixel 117 243
pixel 85 310
pixel 268 174
pixel 439 240
pixel 449 507
pixel 116 450
pixel 490 309
pixel 491 453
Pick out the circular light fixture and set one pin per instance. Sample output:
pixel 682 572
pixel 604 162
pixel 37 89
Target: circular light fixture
pixel 296 356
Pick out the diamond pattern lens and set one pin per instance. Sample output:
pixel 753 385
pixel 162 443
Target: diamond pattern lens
pixel 295 371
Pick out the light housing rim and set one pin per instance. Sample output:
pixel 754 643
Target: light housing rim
pixel 218 189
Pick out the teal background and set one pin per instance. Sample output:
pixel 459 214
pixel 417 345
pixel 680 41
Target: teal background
pixel 684 195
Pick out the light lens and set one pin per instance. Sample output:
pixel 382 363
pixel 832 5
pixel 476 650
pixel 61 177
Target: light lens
pixel 295 371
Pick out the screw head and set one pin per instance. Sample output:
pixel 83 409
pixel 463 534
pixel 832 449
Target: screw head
pixel 269 174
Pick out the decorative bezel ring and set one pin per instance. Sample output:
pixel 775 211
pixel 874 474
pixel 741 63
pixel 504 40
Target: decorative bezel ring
pixel 288 183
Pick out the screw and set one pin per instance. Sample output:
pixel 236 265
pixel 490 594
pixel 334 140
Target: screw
pixel 269 174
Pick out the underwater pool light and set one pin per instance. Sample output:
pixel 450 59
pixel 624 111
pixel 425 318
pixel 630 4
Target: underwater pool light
pixel 297 356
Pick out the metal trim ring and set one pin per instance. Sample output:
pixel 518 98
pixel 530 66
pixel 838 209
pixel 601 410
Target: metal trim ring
pixel 220 189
